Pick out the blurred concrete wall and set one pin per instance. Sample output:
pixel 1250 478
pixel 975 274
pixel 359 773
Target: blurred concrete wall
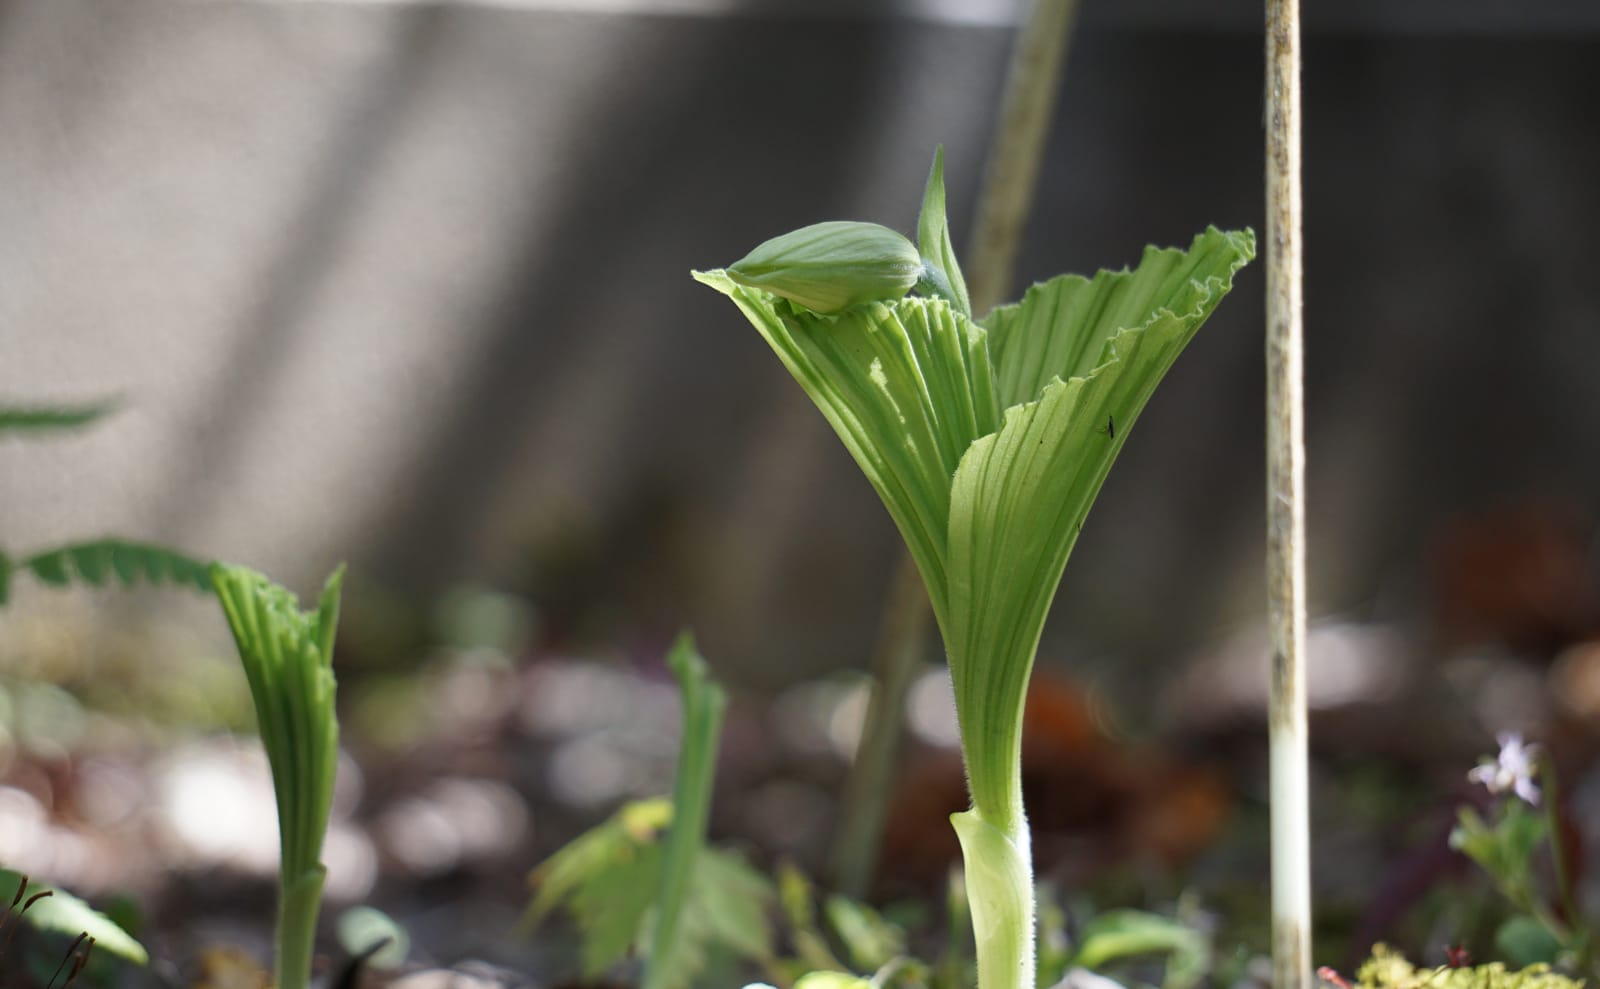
pixel 408 285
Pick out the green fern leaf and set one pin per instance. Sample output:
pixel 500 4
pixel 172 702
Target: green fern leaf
pixel 131 563
pixel 724 910
pixel 617 840
pixel 607 880
pixel 40 419
pixel 735 900
pixel 611 907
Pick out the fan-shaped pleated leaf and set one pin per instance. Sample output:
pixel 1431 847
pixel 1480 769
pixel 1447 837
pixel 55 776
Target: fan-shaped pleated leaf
pixel 288 660
pixel 1020 495
pixel 990 506
pixel 1064 328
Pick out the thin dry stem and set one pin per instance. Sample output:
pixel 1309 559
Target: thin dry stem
pixel 1013 170
pixel 1286 604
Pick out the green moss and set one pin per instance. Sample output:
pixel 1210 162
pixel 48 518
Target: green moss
pixel 1388 969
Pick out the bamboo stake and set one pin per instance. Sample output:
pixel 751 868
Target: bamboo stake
pixel 1286 604
pixel 1032 81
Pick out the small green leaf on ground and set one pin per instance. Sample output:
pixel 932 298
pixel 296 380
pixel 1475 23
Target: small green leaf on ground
pixel 63 913
pixel 363 928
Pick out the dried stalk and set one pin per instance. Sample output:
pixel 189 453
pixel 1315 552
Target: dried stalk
pixel 1286 596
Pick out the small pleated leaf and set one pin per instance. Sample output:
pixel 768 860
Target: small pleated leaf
pixel 288 660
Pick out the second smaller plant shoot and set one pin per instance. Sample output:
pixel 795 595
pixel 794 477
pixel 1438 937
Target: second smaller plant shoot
pixel 288 659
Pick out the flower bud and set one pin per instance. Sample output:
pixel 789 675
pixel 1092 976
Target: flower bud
pixel 831 266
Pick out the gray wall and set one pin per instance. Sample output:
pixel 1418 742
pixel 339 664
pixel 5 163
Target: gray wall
pixel 408 285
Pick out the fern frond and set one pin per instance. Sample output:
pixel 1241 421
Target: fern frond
pixel 615 842
pixel 130 563
pixel 41 419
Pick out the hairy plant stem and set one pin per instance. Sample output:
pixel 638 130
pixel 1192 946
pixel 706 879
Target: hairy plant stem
pixel 997 850
pixel 299 899
pixel 1286 593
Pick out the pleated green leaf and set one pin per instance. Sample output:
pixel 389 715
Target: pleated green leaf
pixel 288 660
pixel 1020 495
pixel 991 507
pixel 988 443
pixel 907 387
pixel 1065 328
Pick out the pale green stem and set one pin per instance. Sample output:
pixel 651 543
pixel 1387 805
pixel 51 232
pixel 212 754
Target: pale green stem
pixel 999 874
pixel 1286 603
pixel 299 900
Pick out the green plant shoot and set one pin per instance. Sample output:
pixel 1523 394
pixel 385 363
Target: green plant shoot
pixel 987 441
pixel 288 660
pixel 671 899
pixel 703 704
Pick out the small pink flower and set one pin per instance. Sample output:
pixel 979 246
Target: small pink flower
pixel 1513 769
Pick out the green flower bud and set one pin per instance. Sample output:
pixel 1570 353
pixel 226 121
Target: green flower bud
pixel 831 266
